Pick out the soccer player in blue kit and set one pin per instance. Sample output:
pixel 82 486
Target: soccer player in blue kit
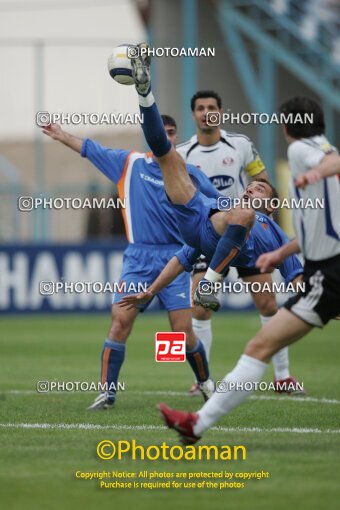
pixel 225 237
pixel 154 238
pixel 264 236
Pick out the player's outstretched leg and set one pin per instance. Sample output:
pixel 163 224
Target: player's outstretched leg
pixel 266 305
pixel 178 184
pixel 283 381
pixel 282 330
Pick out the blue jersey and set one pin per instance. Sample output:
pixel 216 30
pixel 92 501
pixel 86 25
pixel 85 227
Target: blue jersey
pixel 148 216
pixel 265 236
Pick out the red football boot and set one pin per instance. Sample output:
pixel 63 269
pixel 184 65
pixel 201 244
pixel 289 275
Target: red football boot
pixel 289 385
pixel 181 421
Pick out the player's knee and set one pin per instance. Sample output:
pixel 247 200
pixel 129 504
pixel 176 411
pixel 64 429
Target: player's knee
pixel 239 216
pixel 201 314
pixel 120 328
pixel 246 216
pixel 267 307
pixel 185 325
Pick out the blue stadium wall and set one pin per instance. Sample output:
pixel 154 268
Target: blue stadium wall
pixel 24 266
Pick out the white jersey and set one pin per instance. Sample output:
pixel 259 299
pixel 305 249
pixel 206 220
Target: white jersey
pixel 229 163
pixel 317 229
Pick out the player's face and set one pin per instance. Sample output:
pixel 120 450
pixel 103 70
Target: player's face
pixel 199 115
pixel 258 190
pixel 171 133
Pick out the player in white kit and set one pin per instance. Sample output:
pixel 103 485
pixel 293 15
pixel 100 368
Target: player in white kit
pixel 318 238
pixel 231 161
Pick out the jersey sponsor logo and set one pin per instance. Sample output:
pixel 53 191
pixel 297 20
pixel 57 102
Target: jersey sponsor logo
pixel 151 179
pixel 170 346
pixel 222 182
pixel 227 161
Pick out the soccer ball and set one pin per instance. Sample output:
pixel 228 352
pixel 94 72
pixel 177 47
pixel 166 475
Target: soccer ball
pixel 119 64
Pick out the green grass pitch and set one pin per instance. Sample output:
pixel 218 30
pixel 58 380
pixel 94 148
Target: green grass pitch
pixel 37 469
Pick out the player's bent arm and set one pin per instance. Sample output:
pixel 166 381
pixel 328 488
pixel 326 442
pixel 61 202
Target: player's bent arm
pixel 267 262
pixel 183 260
pixel 290 248
pixel 329 166
pixel 169 273
pixel 55 132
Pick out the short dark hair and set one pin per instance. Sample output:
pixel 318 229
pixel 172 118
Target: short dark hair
pixel 169 121
pixel 273 189
pixel 304 105
pixel 204 94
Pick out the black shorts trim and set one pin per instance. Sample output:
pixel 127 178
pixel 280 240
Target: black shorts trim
pixel 248 271
pixel 319 302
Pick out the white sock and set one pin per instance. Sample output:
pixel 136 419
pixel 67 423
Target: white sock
pixel 203 331
pixel 280 360
pixel 212 276
pixel 248 369
pixel 147 100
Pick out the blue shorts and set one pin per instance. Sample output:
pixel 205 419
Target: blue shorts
pixel 141 266
pixel 197 230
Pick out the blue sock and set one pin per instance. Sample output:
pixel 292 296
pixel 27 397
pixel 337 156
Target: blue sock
pixel 112 358
pixel 197 359
pixel 228 248
pixel 153 127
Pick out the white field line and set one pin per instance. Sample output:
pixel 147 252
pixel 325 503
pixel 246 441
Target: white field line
pixel 183 394
pixel 91 426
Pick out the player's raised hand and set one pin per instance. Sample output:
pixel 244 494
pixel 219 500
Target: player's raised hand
pixel 310 177
pixel 267 262
pixel 53 131
pixel 134 300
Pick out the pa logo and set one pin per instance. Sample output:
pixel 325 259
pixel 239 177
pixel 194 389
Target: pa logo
pixel 170 346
